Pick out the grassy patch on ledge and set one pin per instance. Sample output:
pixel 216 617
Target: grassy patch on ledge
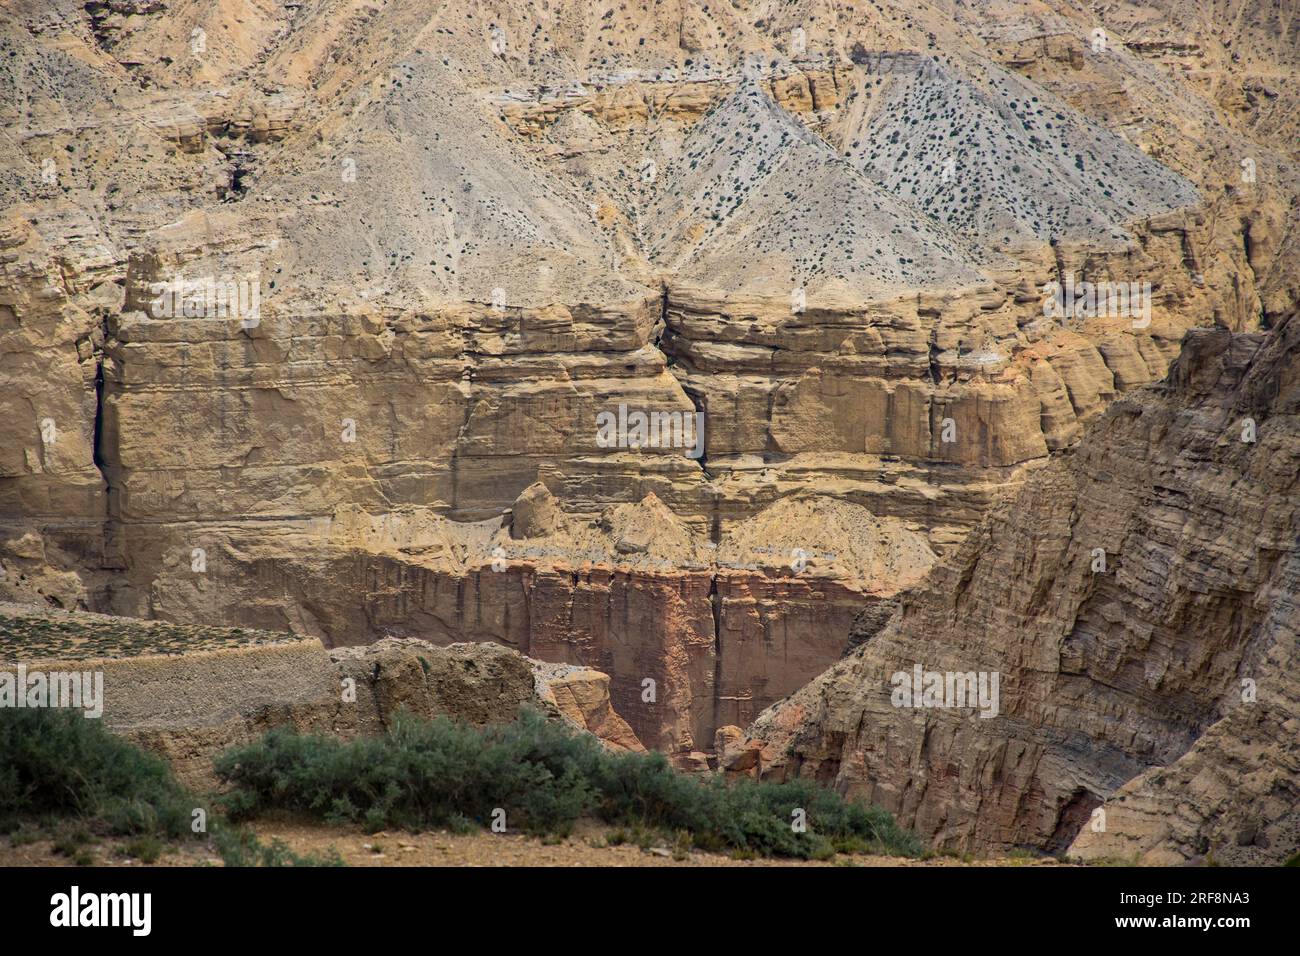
pixel 428 774
pixel 29 633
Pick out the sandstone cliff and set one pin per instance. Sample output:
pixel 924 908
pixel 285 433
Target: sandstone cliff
pixel 473 228
pixel 1137 597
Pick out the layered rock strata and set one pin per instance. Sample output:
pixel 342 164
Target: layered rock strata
pixel 1137 597
pixel 470 232
pixel 692 633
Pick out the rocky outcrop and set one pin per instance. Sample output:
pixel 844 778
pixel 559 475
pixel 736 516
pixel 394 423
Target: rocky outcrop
pixel 581 696
pixel 1137 600
pixel 692 633
pixel 189 692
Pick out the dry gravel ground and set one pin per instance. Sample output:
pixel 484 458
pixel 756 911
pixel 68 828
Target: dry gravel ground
pixel 587 847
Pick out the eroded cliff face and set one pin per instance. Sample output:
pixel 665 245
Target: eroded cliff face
pixel 1137 598
pixel 188 692
pixel 469 232
pixel 694 634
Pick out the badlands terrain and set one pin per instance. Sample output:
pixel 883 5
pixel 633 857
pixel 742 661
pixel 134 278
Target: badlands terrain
pixel 325 328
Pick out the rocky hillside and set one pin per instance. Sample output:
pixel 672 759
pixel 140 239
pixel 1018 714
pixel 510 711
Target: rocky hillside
pixel 1138 598
pixel 310 312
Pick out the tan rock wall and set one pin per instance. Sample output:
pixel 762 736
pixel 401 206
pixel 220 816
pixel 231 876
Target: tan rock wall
pixel 1121 688
pixel 718 646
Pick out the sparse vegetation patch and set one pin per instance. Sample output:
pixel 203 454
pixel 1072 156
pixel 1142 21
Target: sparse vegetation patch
pixel 540 777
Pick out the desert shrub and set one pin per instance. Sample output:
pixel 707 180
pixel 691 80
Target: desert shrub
pixel 239 846
pixel 75 779
pixel 55 763
pixel 146 849
pixel 421 773
pixel 437 773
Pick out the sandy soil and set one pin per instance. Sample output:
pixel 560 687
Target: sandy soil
pixel 586 847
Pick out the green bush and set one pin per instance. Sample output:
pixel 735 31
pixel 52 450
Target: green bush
pixel 146 849
pixel 75 778
pixel 56 763
pixel 239 846
pixel 545 777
